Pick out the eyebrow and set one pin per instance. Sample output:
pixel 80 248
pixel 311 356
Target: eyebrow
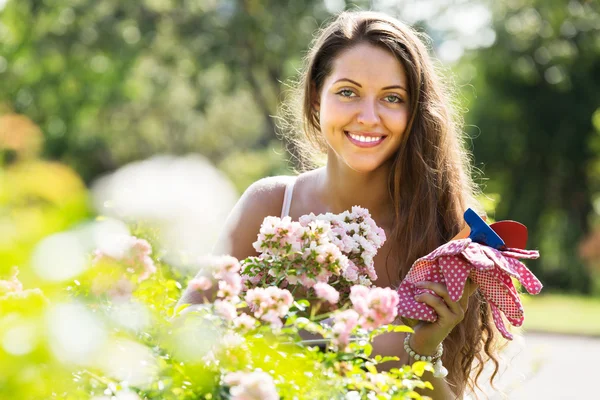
pixel 360 86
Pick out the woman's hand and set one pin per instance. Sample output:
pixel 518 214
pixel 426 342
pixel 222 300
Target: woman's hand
pixel 428 335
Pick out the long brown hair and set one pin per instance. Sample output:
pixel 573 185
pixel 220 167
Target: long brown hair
pixel 430 181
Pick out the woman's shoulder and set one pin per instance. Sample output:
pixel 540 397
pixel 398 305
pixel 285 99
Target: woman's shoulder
pixel 267 194
pixel 261 199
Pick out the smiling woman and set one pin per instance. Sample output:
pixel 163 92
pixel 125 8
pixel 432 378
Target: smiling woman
pixel 362 107
pixel 371 102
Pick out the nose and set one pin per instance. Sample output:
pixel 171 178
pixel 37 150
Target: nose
pixel 368 114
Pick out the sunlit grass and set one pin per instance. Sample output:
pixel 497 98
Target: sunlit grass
pixel 561 313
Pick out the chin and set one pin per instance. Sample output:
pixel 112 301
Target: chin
pixel 365 166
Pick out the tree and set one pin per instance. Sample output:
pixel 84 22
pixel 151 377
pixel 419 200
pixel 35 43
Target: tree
pixel 535 92
pixel 110 82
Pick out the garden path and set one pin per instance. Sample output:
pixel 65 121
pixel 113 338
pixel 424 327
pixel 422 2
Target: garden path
pixel 548 366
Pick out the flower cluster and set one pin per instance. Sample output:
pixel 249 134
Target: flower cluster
pixel 371 309
pixel 357 236
pixel 376 306
pixel 318 249
pixel 221 273
pixel 327 292
pixel 132 252
pixel 128 252
pixel 327 258
pixel 269 304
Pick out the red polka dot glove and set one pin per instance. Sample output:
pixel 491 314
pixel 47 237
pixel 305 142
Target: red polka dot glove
pixel 491 269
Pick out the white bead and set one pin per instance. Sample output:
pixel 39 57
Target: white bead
pixel 439 371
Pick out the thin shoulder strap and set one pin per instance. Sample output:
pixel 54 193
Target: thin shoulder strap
pixel 287 198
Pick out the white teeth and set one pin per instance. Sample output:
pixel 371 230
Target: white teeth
pixel 365 139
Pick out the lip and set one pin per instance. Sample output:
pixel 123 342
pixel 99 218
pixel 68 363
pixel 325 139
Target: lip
pixel 366 144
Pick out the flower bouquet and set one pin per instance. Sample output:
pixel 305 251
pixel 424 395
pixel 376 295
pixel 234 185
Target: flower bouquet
pixel 311 276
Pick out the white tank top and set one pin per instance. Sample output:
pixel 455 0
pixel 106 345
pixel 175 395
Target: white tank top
pixel 287 197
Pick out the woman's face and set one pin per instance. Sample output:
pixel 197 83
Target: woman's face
pixel 364 107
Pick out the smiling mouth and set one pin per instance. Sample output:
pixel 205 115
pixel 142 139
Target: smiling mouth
pixel 364 140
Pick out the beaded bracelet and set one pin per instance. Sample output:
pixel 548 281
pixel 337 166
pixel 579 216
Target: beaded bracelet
pixel 439 371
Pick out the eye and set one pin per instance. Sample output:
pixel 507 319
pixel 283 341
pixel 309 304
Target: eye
pixel 393 98
pixel 345 93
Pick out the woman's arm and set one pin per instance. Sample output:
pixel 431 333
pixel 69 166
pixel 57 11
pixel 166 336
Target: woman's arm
pixel 261 199
pixel 428 335
pixel 392 344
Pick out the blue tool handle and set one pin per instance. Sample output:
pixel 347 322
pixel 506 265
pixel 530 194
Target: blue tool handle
pixel 481 231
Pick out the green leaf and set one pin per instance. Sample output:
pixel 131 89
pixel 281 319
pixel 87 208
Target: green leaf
pixel 302 305
pixel 419 368
pixel 401 328
pixel 370 367
pixel 368 349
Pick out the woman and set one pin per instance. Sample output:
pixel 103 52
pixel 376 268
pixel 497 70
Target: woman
pixel 372 103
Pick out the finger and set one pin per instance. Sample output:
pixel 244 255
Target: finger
pixel 438 305
pixel 441 290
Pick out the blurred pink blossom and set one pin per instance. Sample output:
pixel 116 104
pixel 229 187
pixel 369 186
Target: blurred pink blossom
pixel 223 265
pixel 343 324
pixel 230 286
pixel 375 306
pixel 226 309
pixel 326 292
pixel 122 290
pixel 132 252
pixel 200 283
pixel 244 321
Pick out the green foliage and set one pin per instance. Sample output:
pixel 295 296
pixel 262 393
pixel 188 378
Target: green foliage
pixel 111 82
pixel 562 313
pixel 165 358
pixel 37 198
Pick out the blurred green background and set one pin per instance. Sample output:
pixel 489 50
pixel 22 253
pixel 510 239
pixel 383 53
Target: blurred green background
pixel 88 86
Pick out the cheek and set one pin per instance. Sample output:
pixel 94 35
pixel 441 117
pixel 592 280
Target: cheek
pixel 397 120
pixel 334 114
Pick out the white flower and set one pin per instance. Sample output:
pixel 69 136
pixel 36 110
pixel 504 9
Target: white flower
pixel 256 385
pixel 353 395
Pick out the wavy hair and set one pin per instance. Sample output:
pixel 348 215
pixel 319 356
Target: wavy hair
pixel 430 181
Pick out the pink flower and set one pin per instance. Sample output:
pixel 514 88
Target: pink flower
pixel 230 286
pixel 121 290
pixel 269 304
pixel 200 283
pixel 225 309
pixel 272 317
pixel 279 236
pixel 326 292
pixel 351 272
pixel 132 252
pixel 359 296
pixel 306 281
pixel 343 324
pixel 223 266
pixel 256 385
pixel 244 322
pixel 376 306
pixel 12 284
